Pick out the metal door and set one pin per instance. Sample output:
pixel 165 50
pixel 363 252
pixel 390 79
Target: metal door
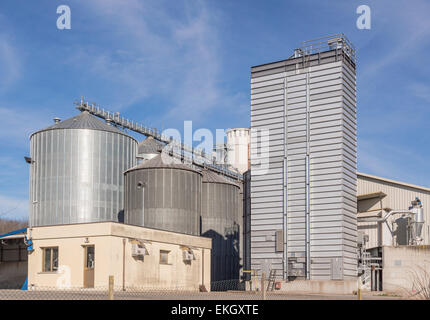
pixel 89 264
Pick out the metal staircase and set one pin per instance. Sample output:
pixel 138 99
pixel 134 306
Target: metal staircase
pixel 366 277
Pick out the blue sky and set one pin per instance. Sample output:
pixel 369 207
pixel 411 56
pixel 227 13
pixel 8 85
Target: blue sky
pixel 163 62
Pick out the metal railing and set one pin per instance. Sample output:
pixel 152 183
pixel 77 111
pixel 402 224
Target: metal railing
pixel 193 155
pixel 335 42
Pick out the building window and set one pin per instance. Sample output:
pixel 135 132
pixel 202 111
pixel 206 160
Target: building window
pixel 164 257
pixel 50 259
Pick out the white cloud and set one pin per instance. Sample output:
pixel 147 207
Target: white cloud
pixel 18 123
pixel 390 161
pixel 405 30
pixel 163 53
pixel 13 207
pixel 421 90
pixel 9 64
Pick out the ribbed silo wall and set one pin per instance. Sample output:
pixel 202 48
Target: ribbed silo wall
pixel 303 201
pixel 246 238
pixel 220 206
pixel 169 199
pixel 77 175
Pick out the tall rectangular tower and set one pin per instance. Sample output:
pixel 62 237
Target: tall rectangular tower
pixel 303 163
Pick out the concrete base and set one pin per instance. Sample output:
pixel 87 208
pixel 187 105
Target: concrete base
pixel 320 286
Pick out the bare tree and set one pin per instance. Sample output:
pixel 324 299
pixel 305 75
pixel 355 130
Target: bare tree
pixel 421 281
pixel 8 225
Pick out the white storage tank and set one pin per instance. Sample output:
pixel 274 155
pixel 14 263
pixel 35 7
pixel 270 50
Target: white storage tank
pixel 238 141
pixel 148 149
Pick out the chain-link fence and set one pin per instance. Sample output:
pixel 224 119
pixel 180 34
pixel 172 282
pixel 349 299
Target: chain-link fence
pixel 220 290
pixel 127 293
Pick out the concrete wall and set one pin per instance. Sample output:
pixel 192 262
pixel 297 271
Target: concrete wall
pixel 401 265
pixel 320 286
pixel 108 238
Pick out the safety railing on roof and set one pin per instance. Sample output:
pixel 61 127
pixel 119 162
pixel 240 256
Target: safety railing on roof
pixel 337 42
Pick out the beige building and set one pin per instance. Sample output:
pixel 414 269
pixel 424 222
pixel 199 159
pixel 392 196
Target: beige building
pixel 405 268
pixel 374 194
pixel 85 255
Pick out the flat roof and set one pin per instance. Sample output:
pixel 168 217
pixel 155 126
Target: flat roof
pixel 365 175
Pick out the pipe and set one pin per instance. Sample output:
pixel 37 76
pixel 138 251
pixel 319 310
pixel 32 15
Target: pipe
pixel 383 219
pixel 307 169
pixel 203 267
pixel 123 264
pixel 285 186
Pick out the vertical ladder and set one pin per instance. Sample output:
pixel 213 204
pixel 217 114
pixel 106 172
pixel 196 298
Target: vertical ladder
pixel 272 278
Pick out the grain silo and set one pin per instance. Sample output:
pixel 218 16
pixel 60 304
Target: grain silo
pixel 220 206
pixel 149 148
pixel 76 173
pixel 303 163
pixel 163 195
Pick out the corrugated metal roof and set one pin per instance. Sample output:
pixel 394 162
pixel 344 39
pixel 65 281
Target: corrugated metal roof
pixel 212 177
pixel 149 146
pixel 365 175
pixel 84 121
pixel 158 163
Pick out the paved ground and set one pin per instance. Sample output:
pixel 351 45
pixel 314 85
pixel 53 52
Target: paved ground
pixel 102 295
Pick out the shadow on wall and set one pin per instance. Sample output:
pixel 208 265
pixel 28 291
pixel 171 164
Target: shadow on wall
pixel 121 216
pixel 225 259
pixel 401 232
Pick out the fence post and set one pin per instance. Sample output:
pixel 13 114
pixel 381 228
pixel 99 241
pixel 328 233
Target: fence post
pixel 111 287
pixel 359 289
pixel 263 287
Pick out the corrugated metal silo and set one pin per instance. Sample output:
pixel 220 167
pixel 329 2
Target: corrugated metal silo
pixel 220 206
pixel 164 196
pixel 76 173
pixel 303 163
pixel 149 148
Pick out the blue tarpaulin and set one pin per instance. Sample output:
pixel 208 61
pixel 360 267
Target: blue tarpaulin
pixel 25 286
pixel 14 232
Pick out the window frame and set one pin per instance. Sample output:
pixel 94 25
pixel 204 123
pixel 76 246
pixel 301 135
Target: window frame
pixel 166 252
pixel 51 263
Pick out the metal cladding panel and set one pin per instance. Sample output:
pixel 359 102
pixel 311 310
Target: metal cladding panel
pixel 398 196
pixel 77 175
pixel 164 198
pixel 219 221
pixel 319 124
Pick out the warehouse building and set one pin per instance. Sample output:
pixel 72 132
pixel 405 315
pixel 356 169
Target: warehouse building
pixel 396 232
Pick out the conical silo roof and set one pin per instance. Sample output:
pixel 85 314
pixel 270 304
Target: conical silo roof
pixel 158 163
pixel 212 177
pixel 84 120
pixel 150 146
